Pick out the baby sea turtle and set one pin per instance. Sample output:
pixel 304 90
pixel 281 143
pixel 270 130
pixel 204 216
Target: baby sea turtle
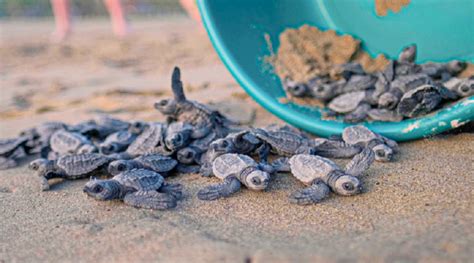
pixel 201 117
pixel 178 135
pixel 399 86
pixel 234 170
pixel 64 142
pixel 139 188
pixel 422 100
pixel 117 142
pixel 408 54
pixel 155 162
pixel 11 150
pixel 359 83
pixel 383 147
pixel 462 87
pixel 348 102
pixel 321 174
pixel 283 143
pixel 70 167
pixel 242 142
pixel 151 140
pixel 359 114
pixel 325 90
pixel 296 89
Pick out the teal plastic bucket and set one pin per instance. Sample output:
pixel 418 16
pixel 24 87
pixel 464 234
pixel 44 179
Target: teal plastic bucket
pixel 443 30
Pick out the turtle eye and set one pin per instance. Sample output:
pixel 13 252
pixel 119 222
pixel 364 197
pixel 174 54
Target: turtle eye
pixel 348 186
pixel 188 154
pixel 224 144
pixel 121 167
pixel 380 153
pixel 33 166
pixel 163 102
pixel 464 88
pixel 97 189
pixel 320 89
pixel 178 138
pixel 256 180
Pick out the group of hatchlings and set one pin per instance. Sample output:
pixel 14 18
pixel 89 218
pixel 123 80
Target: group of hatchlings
pixel 403 89
pixel 194 139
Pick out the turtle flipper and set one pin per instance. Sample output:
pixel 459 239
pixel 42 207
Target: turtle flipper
pixel 150 200
pixel 230 185
pixel 281 164
pixel 177 85
pixel 310 195
pixel 7 163
pixel 360 162
pixel 176 190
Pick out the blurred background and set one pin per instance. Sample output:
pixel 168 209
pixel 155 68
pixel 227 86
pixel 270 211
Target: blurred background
pixel 87 8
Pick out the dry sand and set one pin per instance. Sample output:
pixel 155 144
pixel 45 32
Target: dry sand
pixel 417 209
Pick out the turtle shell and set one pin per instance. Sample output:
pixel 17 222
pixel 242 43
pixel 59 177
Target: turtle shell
pixel 157 162
pixel 81 164
pixel 307 168
pixel 347 102
pixel 140 179
pixel 286 143
pixel 148 140
pixel 7 146
pixel 67 142
pixel 358 135
pixel 228 164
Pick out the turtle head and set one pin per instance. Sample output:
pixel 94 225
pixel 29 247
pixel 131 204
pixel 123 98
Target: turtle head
pixel 166 106
pixel 109 148
pixel 178 139
pixel 120 166
pixel 41 166
pixel 187 155
pixel 223 145
pixel 347 185
pixel 137 127
pixel 102 189
pixel 383 153
pixel 296 89
pixel 408 54
pixel 257 180
pixel 466 88
pixel 388 100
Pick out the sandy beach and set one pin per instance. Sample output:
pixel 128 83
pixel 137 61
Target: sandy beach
pixel 418 208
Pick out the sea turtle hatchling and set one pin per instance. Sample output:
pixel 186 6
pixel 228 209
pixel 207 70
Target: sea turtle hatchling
pixel 283 143
pixel 399 86
pixel 155 162
pixel 423 100
pixel 462 87
pixel 11 150
pixel 65 142
pixel 235 170
pixel 151 140
pixel 117 142
pixel 201 117
pixel 178 135
pixel 321 174
pixel 383 147
pixel 139 188
pixel 348 102
pixel 70 167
